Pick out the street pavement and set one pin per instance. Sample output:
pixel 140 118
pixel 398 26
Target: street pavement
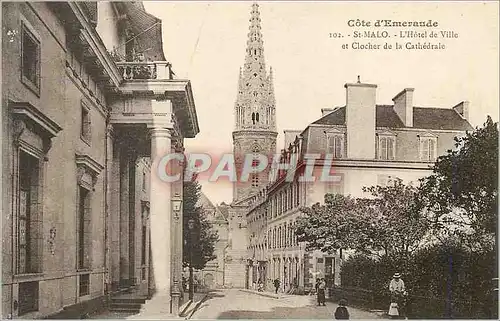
pixel 236 304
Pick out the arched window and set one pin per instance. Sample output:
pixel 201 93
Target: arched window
pixel 257 117
pixel 253 118
pixel 285 235
pixel 280 241
pixel 275 245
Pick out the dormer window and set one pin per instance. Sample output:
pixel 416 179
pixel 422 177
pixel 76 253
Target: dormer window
pixel 428 148
pixel 336 144
pixel 386 146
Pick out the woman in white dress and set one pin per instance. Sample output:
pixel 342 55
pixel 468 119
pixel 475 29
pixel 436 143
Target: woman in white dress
pixel 398 291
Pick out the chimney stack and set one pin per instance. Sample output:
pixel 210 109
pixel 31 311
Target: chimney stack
pixel 403 106
pixel 360 120
pixel 463 109
pixel 325 111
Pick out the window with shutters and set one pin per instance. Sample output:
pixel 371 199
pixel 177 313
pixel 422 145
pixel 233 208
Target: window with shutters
pixel 386 147
pixel 84 237
pixel 29 236
pixel 85 129
pixel 336 145
pixel 428 149
pixel 30 57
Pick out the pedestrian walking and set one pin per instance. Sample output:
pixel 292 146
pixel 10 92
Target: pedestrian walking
pixel 321 292
pixel 316 289
pixel 341 313
pixel 276 285
pixel 260 286
pixel 398 294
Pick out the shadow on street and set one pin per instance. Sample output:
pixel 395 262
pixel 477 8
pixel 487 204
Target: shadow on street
pixel 304 312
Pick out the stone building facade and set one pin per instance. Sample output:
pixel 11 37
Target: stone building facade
pixel 370 145
pixel 89 106
pixel 212 276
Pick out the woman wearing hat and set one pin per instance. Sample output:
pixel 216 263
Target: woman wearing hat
pixel 398 291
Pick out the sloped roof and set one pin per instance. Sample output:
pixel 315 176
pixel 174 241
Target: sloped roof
pixel 146 28
pixel 219 215
pixel 439 118
pixel 223 209
pixel 205 202
pixel 423 118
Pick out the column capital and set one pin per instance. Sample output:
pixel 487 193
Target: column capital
pixel 158 132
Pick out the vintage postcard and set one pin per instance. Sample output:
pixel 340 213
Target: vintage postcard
pixel 249 160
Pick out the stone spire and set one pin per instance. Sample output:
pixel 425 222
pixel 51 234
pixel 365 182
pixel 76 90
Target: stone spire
pixel 271 87
pixel 255 101
pixel 254 60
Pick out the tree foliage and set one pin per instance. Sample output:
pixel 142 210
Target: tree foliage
pixel 199 243
pixel 443 280
pixel 461 194
pixel 389 223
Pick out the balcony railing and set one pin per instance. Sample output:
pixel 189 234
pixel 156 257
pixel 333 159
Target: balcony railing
pixel 136 70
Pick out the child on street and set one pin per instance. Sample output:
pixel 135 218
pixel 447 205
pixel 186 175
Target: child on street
pixel 341 313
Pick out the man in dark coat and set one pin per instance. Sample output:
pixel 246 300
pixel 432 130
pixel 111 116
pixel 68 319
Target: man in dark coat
pixel 277 285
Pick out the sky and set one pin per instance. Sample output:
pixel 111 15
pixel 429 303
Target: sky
pixel 205 42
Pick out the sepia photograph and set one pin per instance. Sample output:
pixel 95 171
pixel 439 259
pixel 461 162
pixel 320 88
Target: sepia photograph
pixel 206 160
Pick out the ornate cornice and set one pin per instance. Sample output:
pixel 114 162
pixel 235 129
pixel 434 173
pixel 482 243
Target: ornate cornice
pixel 86 165
pixel 177 90
pixel 89 35
pixel 27 112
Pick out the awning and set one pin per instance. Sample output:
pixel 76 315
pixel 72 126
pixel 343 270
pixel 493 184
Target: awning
pixel 146 30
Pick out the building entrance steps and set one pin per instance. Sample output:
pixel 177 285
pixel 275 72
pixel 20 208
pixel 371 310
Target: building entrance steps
pixel 158 308
pixel 128 301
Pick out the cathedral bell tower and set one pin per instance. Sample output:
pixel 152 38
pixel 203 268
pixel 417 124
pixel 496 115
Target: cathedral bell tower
pixel 255 111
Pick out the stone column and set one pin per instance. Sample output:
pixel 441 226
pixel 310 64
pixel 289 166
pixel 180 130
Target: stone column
pixel 124 219
pixel 160 224
pixel 114 222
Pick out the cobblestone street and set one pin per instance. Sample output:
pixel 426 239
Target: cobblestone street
pixel 236 304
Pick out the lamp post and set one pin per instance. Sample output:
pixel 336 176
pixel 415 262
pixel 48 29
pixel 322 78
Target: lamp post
pixel 176 292
pixel 191 288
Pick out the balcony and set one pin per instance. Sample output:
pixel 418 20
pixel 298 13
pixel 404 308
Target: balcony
pixel 146 70
pixel 149 95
